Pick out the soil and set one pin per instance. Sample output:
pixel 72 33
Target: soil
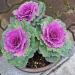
pixel 37 61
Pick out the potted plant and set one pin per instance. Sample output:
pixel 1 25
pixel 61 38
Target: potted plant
pixel 33 41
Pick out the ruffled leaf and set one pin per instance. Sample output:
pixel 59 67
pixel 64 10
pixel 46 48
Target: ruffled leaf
pixel 51 56
pixel 28 28
pixel 44 51
pixel 68 45
pixel 38 32
pixel 41 9
pixel 6 55
pixel 61 23
pixel 18 61
pixel 41 13
pixel 14 23
pixel 46 20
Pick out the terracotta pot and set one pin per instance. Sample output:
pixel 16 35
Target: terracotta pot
pixel 38 69
pixel 50 67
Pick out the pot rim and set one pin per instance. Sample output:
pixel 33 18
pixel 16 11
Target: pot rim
pixel 42 69
pixel 36 70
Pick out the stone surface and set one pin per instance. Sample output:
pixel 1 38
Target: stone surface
pixel 13 2
pixel 3 5
pixel 4 23
pixel 72 29
pixel 53 7
pixel 7 5
pixel 68 17
pixel 72 3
